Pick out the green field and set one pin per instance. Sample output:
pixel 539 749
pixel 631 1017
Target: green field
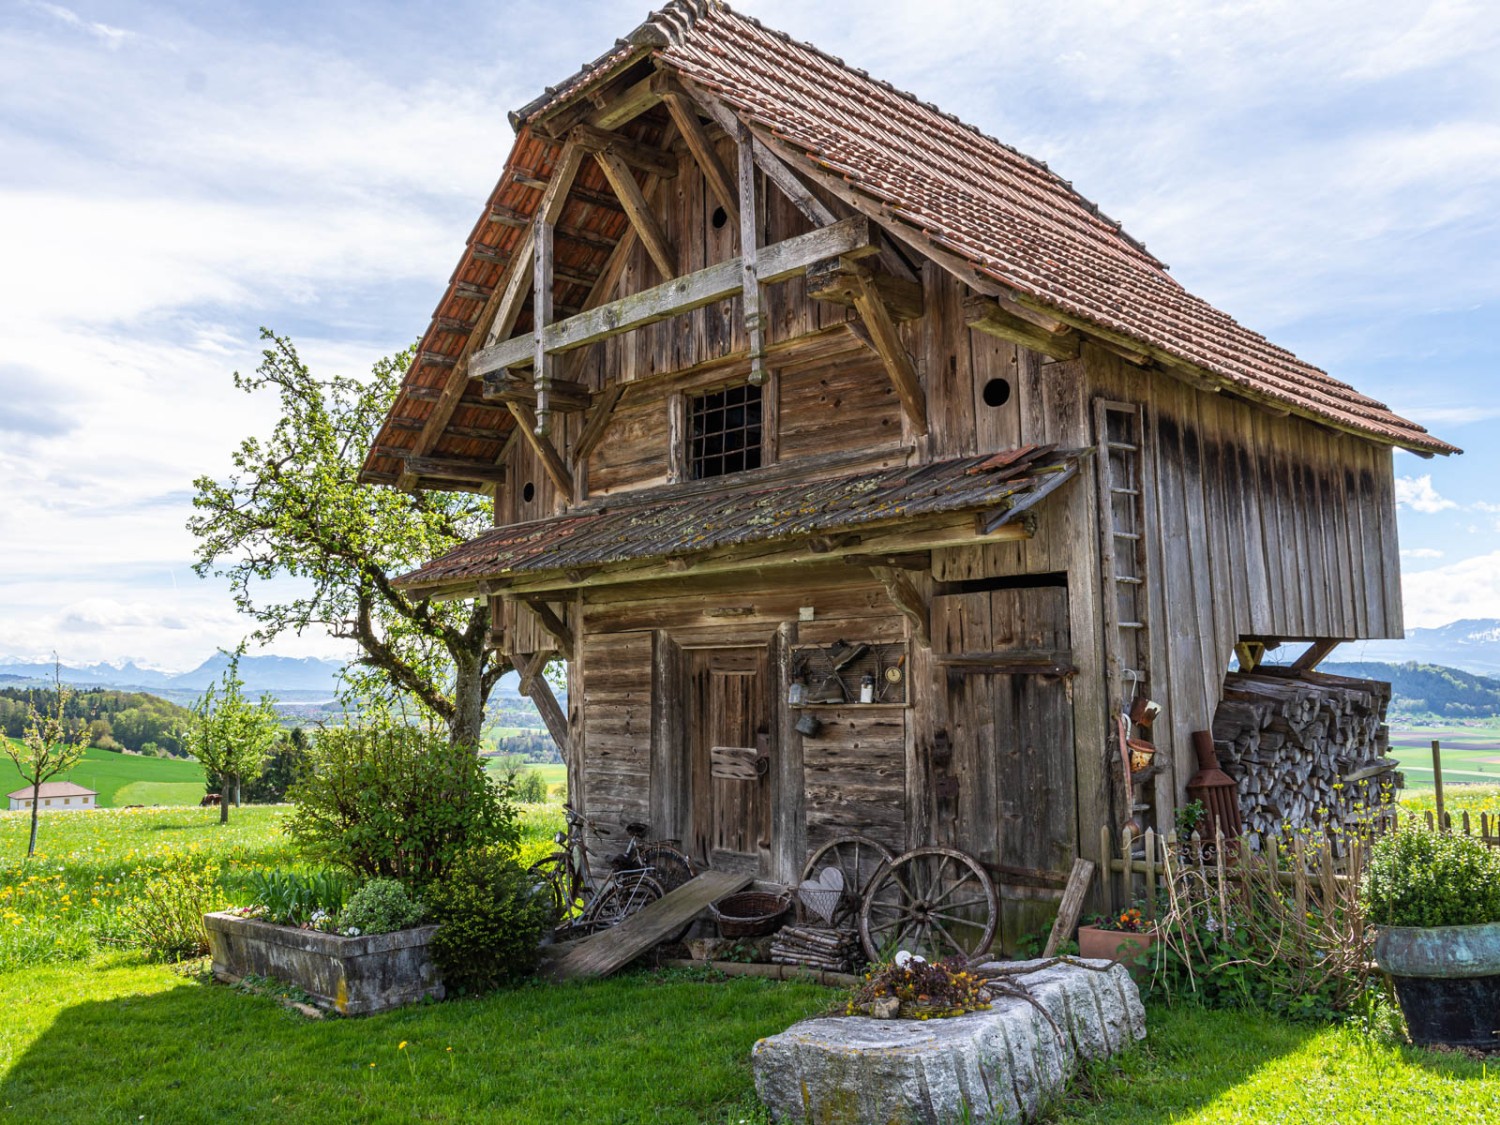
pixel 125 779
pixel 553 773
pixel 1470 754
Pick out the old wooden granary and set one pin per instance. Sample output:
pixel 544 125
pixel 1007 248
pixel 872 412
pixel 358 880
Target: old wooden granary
pixel 791 389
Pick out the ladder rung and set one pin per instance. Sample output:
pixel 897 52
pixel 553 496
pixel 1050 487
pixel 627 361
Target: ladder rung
pixel 1123 446
pixel 1132 624
pixel 1127 580
pixel 1127 535
pixel 1126 491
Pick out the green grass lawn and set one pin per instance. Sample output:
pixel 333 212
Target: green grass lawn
pixel 125 779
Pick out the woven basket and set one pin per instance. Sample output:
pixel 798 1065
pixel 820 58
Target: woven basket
pixel 750 913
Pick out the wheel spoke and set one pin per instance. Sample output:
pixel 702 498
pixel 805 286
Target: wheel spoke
pixel 965 878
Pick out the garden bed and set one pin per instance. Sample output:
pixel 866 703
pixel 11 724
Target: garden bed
pixel 353 976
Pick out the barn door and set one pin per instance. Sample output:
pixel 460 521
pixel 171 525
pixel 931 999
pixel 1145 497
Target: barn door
pixel 1007 795
pixel 729 725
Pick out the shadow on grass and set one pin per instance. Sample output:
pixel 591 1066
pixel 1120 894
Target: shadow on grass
pixel 632 1049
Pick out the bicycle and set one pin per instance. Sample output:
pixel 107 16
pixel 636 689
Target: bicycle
pixel 641 874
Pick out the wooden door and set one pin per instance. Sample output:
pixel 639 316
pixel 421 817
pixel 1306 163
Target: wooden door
pixel 730 751
pixel 1010 727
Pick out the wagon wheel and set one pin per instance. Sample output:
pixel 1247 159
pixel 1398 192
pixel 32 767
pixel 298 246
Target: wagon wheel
pixel 622 896
pixel 937 902
pixel 858 859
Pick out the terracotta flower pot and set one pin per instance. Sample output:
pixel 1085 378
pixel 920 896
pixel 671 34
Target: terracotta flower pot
pixel 1131 949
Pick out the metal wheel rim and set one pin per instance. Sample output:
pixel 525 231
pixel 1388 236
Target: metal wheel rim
pixel 850 901
pixel 920 899
pixel 625 894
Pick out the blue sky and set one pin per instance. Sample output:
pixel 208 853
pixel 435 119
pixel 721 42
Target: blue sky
pixel 176 175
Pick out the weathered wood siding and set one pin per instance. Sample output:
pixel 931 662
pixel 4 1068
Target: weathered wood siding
pixel 617 726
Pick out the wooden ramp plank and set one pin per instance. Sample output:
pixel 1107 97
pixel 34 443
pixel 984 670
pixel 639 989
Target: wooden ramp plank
pixel 604 952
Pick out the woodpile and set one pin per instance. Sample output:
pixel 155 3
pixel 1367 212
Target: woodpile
pixel 1305 749
pixel 816 948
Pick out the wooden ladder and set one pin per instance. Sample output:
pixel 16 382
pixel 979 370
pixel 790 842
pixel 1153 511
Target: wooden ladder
pixel 1119 431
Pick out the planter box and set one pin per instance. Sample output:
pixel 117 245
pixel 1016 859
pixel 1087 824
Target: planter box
pixel 353 976
pixel 1130 949
pixel 1447 980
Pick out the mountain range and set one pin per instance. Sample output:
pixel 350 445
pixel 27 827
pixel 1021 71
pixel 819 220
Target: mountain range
pixel 275 674
pixel 1472 646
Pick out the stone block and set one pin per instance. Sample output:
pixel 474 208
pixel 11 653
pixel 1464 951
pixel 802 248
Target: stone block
pixel 1004 1063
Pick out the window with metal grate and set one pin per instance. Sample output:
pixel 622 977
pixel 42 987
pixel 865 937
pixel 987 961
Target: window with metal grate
pixel 725 432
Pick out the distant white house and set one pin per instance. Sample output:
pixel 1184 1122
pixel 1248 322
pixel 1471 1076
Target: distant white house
pixel 56 796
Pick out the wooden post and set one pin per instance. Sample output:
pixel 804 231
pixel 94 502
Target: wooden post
pixel 1437 783
pixel 749 240
pixel 1071 906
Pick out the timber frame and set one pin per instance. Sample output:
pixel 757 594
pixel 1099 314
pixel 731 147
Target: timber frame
pixel 1018 501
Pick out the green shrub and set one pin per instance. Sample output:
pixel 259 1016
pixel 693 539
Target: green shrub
pixel 530 787
pixel 380 907
pixel 289 899
pixel 166 917
pixel 491 918
pixel 1418 878
pixel 394 802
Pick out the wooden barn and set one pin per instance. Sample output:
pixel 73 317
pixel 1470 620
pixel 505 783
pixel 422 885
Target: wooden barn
pixel 863 472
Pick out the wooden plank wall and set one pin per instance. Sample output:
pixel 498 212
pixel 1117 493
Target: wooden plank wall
pixel 1258 525
pixel 617 726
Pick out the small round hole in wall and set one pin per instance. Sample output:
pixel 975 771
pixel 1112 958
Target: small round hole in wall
pixel 997 392
pixel 528 492
pixel 720 217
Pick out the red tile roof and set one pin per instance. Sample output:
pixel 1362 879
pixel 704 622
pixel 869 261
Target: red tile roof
pixel 1013 222
pixel 658 523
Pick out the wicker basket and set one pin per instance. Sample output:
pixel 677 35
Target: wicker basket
pixel 750 913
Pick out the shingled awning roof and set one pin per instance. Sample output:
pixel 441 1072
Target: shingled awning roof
pixel 1001 216
pixel 662 523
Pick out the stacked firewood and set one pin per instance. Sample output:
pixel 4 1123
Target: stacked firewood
pixel 1305 749
pixel 816 948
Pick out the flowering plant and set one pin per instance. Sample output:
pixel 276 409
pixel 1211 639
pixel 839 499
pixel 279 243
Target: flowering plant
pixel 923 989
pixel 1130 921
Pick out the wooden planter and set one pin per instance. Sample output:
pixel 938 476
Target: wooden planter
pixel 1130 949
pixel 353 976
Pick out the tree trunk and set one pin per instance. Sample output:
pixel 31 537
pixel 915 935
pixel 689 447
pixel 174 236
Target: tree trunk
pixel 224 798
pixel 36 799
pixel 466 723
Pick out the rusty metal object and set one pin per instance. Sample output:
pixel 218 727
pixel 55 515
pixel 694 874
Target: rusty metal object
pixel 1216 789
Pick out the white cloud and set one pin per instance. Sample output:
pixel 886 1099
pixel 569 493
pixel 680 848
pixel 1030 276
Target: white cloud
pixel 111 37
pixel 1469 588
pixel 1418 494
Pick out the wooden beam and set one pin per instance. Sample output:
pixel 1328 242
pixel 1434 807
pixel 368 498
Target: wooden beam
pixel 1316 653
pixel 541 316
pixel 441 468
pixel 685 115
pixel 834 280
pixel 616 108
pixel 767 161
pixel 986 315
pixel 637 155
pixel 535 685
pixel 622 180
pixel 554 624
pixel 542 446
pixel 908 599
pixel 755 330
pixel 566 396
pixel 777 262
pixel 887 343
pixel 598 422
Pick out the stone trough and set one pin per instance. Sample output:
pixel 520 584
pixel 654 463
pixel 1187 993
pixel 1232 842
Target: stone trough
pixel 1001 1064
pixel 354 976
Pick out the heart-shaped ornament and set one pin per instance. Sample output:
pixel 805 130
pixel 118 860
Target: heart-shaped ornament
pixel 821 895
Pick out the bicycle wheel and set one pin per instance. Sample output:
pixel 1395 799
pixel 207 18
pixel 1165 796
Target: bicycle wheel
pixel 625 893
pixel 551 877
pixel 668 865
